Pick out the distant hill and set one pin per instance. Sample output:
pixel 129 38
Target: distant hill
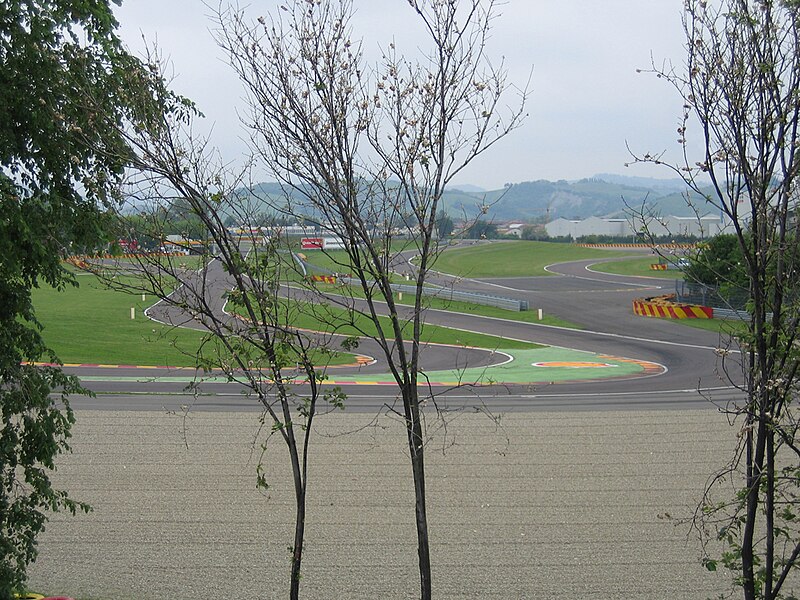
pixel 573 199
pixel 668 185
pixel 604 195
pixel 466 187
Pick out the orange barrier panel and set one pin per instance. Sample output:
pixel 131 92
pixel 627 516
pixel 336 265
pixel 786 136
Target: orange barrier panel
pixel 324 278
pixel 664 307
pixel 658 267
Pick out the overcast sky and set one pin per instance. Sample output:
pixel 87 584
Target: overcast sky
pixel 587 100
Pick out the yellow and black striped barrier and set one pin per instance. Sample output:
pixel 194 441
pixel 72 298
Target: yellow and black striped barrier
pixel 665 308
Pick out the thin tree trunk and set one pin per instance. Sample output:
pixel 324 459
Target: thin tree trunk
pixel 423 543
pixel 769 507
pixel 300 511
pixel 416 448
pixel 297 552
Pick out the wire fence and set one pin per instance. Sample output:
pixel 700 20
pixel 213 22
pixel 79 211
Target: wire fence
pixel 705 295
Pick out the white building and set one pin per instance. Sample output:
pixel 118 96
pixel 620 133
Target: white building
pixel 700 227
pixel 590 226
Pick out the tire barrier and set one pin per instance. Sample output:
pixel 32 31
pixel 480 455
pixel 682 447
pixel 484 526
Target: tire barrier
pixel 658 267
pixel 623 246
pixel 86 257
pixel 77 262
pixel 665 307
pixel 323 278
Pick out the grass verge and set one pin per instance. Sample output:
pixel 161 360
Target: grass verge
pixel 524 316
pixel 512 259
pixel 721 326
pixel 332 319
pixel 92 324
pixel 637 267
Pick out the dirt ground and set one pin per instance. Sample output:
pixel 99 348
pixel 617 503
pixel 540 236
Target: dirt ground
pixel 555 505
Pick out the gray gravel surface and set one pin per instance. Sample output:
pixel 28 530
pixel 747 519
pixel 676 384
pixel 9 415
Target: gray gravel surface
pixel 543 505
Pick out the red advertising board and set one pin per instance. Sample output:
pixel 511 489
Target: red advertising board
pixel 311 243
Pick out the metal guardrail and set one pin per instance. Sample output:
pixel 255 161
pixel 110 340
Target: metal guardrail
pixel 433 291
pixel 730 313
pixel 474 297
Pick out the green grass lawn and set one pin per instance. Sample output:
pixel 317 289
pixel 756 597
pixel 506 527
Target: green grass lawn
pixel 512 259
pixel 722 326
pixel 330 318
pixel 524 316
pixel 92 324
pixel 334 261
pixel 638 267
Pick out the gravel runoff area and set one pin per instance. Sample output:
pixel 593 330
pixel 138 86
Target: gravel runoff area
pixel 545 505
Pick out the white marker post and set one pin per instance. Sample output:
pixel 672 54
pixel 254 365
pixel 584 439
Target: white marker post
pixel 540 314
pixel 133 313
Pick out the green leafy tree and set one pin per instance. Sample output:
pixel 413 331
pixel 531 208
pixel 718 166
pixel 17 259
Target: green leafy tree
pixel 444 225
pixel 62 91
pixel 719 262
pixel 481 230
pixel 741 86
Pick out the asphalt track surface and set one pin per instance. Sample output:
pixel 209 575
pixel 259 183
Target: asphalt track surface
pixel 690 373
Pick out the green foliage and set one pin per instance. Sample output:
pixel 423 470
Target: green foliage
pixel 64 91
pixel 719 262
pixel 535 232
pixel 482 230
pixel 335 397
pixel 34 432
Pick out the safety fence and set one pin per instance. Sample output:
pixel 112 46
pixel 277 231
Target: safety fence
pixel 443 293
pixel 450 294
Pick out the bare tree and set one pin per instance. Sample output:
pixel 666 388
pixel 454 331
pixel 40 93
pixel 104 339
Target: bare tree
pixel 367 153
pixel 740 89
pixel 236 295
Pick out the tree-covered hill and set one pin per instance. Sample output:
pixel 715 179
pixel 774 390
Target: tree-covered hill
pixel 603 196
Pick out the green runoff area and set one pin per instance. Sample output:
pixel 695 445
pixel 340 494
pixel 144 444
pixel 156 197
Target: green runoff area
pixel 533 366
pixel 638 267
pixel 91 324
pixel 513 259
pixel 456 306
pixel 540 366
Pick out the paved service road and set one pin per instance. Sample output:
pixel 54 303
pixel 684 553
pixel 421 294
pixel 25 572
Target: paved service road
pixel 685 358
